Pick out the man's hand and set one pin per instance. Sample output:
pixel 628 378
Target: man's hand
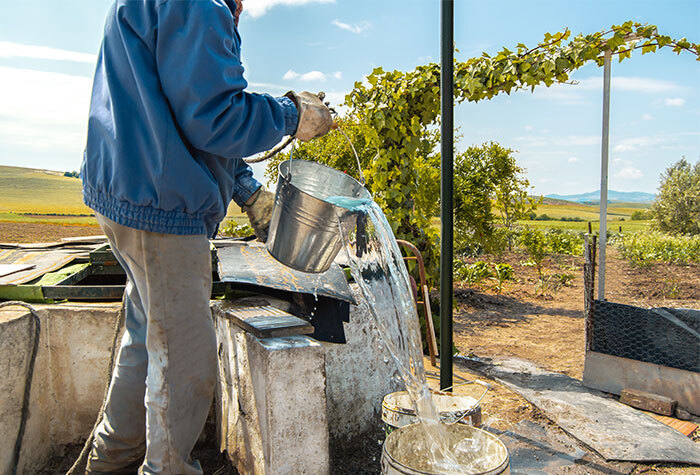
pixel 259 211
pixel 314 117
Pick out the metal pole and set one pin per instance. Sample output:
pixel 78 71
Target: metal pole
pixel 446 184
pixel 604 176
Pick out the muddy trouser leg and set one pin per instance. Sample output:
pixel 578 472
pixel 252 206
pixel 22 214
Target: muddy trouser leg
pixel 172 277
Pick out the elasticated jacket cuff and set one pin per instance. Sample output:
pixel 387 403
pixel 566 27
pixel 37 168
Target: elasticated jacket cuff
pixel 291 116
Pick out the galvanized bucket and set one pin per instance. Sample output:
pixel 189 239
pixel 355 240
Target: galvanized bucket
pixel 304 232
pixel 397 410
pixel 401 454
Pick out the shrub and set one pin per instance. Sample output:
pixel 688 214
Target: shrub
pixel 233 229
pixel 644 248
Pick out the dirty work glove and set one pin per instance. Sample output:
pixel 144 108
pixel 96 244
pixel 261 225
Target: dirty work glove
pixel 259 212
pixel 314 117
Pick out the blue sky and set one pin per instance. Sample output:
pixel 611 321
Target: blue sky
pixel 48 48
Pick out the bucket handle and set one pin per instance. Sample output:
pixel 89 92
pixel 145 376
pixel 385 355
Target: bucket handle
pixel 291 154
pixel 486 386
pixel 357 158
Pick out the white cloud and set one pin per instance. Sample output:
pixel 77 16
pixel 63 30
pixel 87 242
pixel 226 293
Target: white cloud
pixel 257 8
pixel 529 127
pixel 573 160
pixel 575 140
pixel 10 50
pixel 574 94
pixel 356 28
pixel 318 76
pixel 633 144
pixel 628 83
pixel 629 173
pixel 43 116
pixel 674 101
pixel 647 117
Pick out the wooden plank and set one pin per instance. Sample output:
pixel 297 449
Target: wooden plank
pixel 648 402
pixel 684 427
pixel 268 322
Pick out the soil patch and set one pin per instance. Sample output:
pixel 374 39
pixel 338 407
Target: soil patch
pixel 41 232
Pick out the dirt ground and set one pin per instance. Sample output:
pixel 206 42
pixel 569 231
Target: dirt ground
pixel 40 232
pixel 542 324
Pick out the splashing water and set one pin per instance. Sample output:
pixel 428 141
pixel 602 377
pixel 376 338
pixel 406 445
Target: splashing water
pixel 385 285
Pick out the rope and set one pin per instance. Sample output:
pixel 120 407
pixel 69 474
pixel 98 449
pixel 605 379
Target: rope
pixel 27 380
pixel 271 153
pixel 82 458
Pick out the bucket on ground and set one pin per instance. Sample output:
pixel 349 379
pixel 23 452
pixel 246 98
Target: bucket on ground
pixel 477 451
pixel 397 409
pixel 304 232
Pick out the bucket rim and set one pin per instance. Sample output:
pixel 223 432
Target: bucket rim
pixel 333 170
pixel 502 465
pixel 389 406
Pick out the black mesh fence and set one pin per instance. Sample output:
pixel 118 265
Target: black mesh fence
pixel 664 336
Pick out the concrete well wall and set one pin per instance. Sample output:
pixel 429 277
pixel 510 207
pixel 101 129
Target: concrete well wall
pixel 68 382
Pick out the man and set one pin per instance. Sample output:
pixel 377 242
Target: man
pixel 169 123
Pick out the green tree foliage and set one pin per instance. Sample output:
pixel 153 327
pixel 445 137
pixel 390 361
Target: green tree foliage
pixel 533 240
pixel 488 177
pixel 399 112
pixel 677 206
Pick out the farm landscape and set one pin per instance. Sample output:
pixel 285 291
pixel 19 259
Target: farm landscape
pixel 526 302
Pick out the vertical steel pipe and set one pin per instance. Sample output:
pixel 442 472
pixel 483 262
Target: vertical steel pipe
pixel 605 143
pixel 446 188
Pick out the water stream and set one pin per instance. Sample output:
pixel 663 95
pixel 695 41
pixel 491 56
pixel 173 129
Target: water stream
pixel 383 279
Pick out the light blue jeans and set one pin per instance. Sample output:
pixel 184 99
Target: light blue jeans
pixel 165 374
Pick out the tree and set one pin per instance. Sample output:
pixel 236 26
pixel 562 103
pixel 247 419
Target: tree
pixel 488 177
pixel 677 205
pixel 511 196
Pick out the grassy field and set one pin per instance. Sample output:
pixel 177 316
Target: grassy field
pixel 28 195
pixel 615 225
pixel 31 196
pixel 27 190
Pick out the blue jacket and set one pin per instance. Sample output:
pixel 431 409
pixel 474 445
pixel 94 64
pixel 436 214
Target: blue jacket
pixel 170 118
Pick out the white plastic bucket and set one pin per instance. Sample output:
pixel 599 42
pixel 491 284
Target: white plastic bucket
pixel 397 409
pixel 402 455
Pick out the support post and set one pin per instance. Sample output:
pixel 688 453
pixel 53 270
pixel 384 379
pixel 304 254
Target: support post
pixel 604 175
pixel 446 189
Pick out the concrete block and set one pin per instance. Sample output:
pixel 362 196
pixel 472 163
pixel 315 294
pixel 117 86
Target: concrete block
pixel 271 401
pixel 68 382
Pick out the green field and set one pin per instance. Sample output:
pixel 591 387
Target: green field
pixel 27 190
pixel 28 195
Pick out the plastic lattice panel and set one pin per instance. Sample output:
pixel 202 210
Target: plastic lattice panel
pixel 664 336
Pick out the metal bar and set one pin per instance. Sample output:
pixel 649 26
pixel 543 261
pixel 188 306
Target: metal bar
pixel 446 188
pixel 429 330
pixel 604 175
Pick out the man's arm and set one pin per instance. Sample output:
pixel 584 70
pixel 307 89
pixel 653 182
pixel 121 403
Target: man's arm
pixel 198 59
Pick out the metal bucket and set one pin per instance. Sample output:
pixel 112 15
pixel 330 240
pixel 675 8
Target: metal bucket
pixel 304 232
pixel 397 410
pixel 402 455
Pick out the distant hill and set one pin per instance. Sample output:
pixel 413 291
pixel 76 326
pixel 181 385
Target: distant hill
pixel 30 190
pixel 613 197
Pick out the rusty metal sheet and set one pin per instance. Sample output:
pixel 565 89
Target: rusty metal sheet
pixel 613 373
pixel 250 263
pixel 41 261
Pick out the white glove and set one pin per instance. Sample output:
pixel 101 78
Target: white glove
pixel 314 117
pixel 259 212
